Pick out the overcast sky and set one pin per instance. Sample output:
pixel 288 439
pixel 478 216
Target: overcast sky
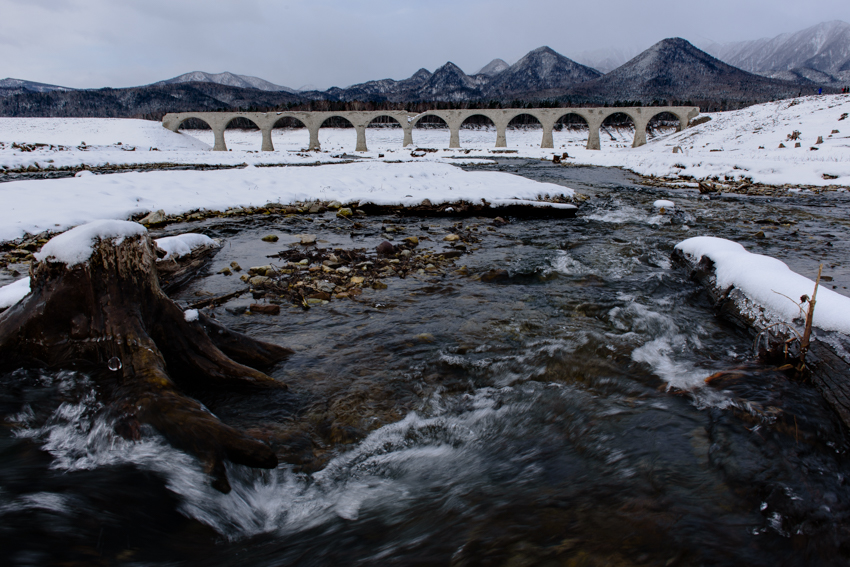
pixel 324 43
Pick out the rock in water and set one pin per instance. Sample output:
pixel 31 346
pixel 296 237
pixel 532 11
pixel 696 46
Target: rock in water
pixel 385 248
pixel 265 308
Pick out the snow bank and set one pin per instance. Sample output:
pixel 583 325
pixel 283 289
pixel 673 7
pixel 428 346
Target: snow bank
pixel 183 244
pixel 75 246
pixel 58 204
pixel 14 292
pixel 96 133
pixel 763 278
pixel 744 145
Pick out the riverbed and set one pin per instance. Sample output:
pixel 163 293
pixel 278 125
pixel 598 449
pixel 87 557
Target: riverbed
pixel 555 414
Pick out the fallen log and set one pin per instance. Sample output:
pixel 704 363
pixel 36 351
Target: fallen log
pixel 828 358
pixel 95 298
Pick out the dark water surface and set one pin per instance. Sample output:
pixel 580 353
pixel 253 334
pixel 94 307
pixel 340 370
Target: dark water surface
pixel 556 417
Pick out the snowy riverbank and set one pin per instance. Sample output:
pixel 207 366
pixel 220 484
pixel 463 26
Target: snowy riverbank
pixel 55 205
pixel 736 146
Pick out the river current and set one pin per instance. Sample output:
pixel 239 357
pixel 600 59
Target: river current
pixel 556 415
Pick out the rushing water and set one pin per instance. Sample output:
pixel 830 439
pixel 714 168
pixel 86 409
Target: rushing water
pixel 555 417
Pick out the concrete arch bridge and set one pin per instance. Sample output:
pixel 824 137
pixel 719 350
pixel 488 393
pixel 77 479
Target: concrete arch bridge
pixel 454 119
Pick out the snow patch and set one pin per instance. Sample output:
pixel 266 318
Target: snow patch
pixel 14 292
pixel 190 315
pixel 183 244
pixel 75 246
pixel 664 204
pixel 763 278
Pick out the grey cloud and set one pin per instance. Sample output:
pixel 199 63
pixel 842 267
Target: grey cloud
pixel 95 43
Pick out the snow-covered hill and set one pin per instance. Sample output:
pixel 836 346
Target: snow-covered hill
pixel 744 145
pixel 229 79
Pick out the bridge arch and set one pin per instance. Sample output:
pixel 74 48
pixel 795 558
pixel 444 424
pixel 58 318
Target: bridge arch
pixel 333 140
pixel 430 121
pixel 387 131
pixel 661 123
pixel 525 129
pixel 571 128
pixel 183 119
pixel 618 129
pixel 475 124
pixel 283 131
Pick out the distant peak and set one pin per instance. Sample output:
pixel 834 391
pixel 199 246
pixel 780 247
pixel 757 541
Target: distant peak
pixel 545 49
pixel 493 68
pixel 449 66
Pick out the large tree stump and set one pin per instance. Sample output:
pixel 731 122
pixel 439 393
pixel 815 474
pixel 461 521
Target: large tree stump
pixel 108 310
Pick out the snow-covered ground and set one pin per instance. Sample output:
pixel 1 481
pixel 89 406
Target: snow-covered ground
pixel 54 205
pixel 744 145
pixel 734 146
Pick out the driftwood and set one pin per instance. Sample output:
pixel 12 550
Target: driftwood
pixel 110 315
pixel 828 357
pixel 175 273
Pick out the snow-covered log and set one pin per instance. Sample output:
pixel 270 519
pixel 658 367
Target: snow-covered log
pixel 753 292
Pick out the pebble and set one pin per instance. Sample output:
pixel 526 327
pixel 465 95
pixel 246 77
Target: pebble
pixel 344 212
pixel 156 217
pixel 271 238
pixel 261 270
pixel 406 253
pixel 258 280
pixel 225 271
pixel 412 240
pixel 306 238
pixel 357 279
pixel 451 238
pixel 236 267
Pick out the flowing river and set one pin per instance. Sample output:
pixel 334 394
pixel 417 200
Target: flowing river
pixel 554 415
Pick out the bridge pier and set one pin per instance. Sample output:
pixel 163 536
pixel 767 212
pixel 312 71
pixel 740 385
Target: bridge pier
pixel 219 145
pixel 594 123
pixel 267 140
pixel 547 141
pixel 454 135
pixel 361 138
pixel 408 135
pixel 501 134
pixel 640 132
pixel 314 137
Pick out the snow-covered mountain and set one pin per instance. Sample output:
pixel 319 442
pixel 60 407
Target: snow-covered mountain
pixel 31 86
pixel 229 79
pixel 820 54
pixel 673 69
pixel 493 68
pixel 540 71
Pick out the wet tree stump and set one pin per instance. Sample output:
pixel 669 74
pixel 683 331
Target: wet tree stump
pixel 828 358
pixel 110 312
